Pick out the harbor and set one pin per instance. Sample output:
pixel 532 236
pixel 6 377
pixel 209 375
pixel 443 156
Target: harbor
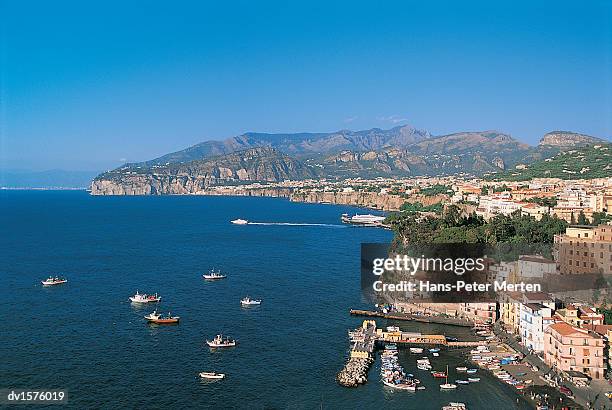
pixel 451 321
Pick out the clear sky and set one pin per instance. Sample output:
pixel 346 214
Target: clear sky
pixel 89 85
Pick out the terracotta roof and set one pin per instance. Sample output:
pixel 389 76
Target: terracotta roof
pixel 565 329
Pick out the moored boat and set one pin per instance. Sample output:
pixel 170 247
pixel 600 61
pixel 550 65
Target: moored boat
pixel 438 375
pixel 461 369
pixel 447 385
pixel 473 379
pixel 51 281
pixel 160 319
pixel 220 341
pixel 455 406
pixel 212 375
pixel 416 350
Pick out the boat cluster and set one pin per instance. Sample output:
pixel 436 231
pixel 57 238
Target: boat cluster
pixel 393 375
pixel 483 357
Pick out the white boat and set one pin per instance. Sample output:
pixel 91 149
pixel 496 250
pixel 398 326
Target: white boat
pixel 212 375
pixel 220 341
pixel 247 301
pixel 435 354
pixel 367 219
pixel 461 369
pixel 447 385
pixel 212 275
pixel 471 371
pixel 462 381
pixel 50 281
pixel 240 222
pixel 144 298
pixel 416 350
pixel 473 379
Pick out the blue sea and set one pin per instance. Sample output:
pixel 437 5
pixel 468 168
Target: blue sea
pixel 87 338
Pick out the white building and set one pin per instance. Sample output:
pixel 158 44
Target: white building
pixel 535 266
pixel 534 320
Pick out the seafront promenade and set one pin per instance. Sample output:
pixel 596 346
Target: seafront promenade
pixel 451 321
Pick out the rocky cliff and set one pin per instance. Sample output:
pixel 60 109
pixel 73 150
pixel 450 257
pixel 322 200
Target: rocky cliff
pixel 568 139
pixel 252 165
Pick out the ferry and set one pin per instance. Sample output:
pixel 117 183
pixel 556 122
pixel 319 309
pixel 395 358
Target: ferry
pixel 212 275
pixel 212 375
pixel 144 298
pixel 220 341
pixel 247 301
pixel 50 281
pixel 367 219
pixel 159 319
pixel 240 222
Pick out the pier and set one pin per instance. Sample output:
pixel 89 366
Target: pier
pixel 452 321
pixel 363 345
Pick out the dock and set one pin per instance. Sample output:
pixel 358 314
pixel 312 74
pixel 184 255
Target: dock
pixel 452 321
pixel 363 346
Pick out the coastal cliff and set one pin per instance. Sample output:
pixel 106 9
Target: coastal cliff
pixel 257 164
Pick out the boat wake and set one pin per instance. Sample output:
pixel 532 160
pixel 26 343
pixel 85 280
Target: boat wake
pixel 296 224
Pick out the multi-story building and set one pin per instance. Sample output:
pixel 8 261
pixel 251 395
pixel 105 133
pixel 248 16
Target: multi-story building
pixel 479 312
pixel 532 324
pixel 585 249
pixel 579 315
pixel 569 348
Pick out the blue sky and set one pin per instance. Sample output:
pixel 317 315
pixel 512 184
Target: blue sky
pixel 89 85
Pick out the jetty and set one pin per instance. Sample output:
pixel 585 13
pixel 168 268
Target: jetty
pixel 361 357
pixel 452 321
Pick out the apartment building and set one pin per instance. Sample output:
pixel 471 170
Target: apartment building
pixel 569 348
pixel 585 249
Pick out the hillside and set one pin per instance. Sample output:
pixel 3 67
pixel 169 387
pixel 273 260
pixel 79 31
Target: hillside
pixel 262 164
pixel 581 163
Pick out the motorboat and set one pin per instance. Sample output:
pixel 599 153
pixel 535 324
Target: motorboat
pixel 438 375
pixel 416 350
pixel 436 354
pixel 434 350
pixel 160 319
pixel 247 301
pixel 240 222
pixel 393 329
pixel 473 379
pixel 462 381
pixel 461 369
pixel 212 275
pixel 212 375
pixel 220 341
pixel 51 281
pixel 471 371
pixel 144 298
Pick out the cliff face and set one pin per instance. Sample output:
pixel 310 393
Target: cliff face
pixel 365 199
pixel 567 139
pixel 257 164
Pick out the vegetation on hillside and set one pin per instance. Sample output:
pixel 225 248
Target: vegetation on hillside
pixel 581 163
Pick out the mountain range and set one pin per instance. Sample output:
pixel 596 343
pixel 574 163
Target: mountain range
pixel 396 152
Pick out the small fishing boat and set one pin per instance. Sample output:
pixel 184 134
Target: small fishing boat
pixel 438 375
pixel 434 350
pixel 473 379
pixel 240 221
pixel 247 301
pixel 471 371
pixel 416 350
pixel 212 375
pixel 462 381
pixel 212 275
pixel 144 298
pixel 160 319
pixel 423 367
pixel 220 341
pixel 51 281
pixel 461 369
pixel 435 354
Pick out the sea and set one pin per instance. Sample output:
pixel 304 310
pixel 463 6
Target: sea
pixel 87 338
